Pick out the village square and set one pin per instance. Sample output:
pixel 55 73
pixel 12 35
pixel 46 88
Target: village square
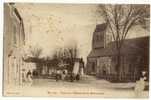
pixel 77 50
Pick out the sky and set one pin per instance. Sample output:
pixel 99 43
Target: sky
pixel 53 26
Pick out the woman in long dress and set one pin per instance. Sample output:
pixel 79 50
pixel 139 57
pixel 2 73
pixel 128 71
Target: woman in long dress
pixel 29 78
pixel 140 85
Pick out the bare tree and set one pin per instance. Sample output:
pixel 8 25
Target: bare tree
pixel 69 54
pixel 120 19
pixel 72 52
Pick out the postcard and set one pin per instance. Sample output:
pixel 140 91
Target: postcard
pixel 76 50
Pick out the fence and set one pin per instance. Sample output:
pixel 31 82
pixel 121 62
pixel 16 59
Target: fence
pixel 116 78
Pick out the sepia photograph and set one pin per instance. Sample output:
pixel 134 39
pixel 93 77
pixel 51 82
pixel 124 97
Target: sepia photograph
pixel 76 50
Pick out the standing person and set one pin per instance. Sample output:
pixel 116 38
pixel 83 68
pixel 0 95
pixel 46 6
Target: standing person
pixel 58 75
pixel 72 77
pixel 140 85
pixel 77 77
pixel 29 77
pixel 34 73
pixel 63 75
pixel 66 74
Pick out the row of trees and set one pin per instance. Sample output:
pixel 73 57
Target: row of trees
pixel 69 54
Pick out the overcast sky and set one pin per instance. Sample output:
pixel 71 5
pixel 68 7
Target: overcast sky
pixel 52 26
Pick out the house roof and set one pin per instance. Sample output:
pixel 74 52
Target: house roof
pixel 133 46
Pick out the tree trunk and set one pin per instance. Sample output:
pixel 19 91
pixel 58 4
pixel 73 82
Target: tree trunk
pixel 118 65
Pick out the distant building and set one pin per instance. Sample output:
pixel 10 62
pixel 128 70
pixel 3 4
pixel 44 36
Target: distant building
pixel 102 59
pixel 14 40
pixel 46 67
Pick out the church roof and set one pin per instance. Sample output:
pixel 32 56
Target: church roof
pixel 135 46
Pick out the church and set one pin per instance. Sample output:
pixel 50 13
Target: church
pixel 101 61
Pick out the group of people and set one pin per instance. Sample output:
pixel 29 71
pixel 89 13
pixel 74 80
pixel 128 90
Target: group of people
pixel 64 75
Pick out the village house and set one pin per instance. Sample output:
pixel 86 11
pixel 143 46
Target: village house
pixel 14 40
pixel 101 61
